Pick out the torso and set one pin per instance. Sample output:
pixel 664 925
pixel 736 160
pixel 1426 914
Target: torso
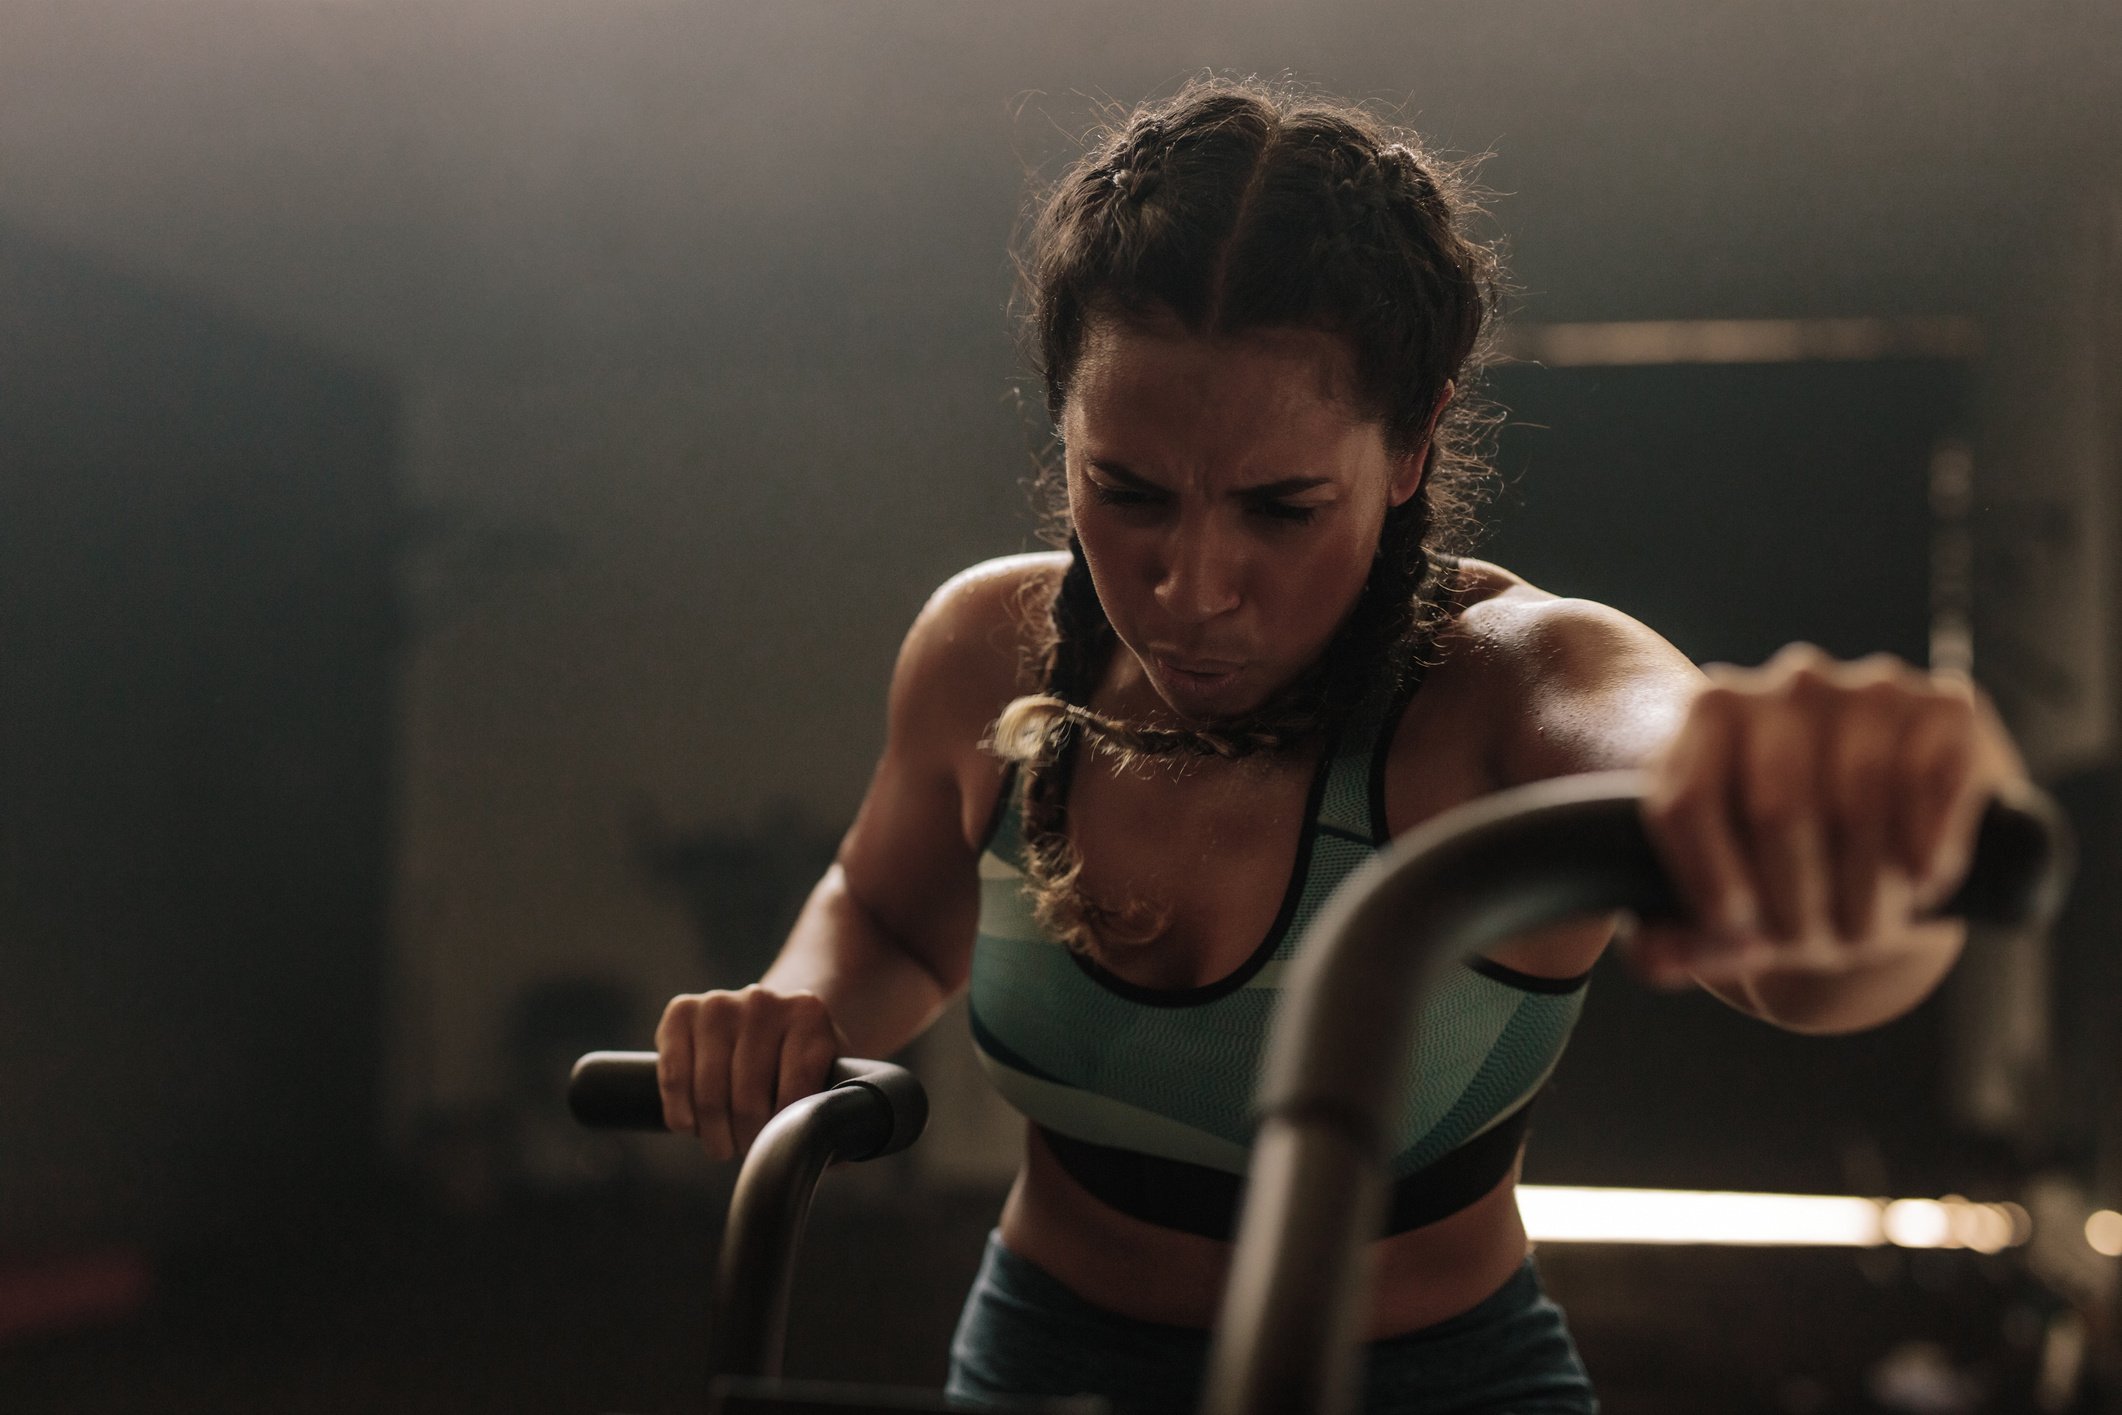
pixel 1214 844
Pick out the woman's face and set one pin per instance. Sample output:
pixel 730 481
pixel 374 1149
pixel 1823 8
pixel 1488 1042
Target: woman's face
pixel 1229 499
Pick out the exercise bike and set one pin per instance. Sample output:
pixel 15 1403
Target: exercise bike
pixel 1284 1339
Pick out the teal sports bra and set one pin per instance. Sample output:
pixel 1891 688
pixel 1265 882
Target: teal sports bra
pixel 1145 1095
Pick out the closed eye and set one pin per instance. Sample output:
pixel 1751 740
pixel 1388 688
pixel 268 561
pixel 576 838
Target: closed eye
pixel 1121 496
pixel 1285 511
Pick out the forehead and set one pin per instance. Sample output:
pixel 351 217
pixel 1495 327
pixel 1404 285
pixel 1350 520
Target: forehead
pixel 1273 390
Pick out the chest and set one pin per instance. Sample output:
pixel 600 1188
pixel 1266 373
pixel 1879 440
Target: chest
pixel 1220 850
pixel 1212 848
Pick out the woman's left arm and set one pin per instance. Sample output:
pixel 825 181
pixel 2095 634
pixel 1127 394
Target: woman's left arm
pixel 1811 811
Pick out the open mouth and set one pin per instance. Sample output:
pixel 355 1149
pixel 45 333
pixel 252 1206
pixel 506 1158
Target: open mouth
pixel 1203 673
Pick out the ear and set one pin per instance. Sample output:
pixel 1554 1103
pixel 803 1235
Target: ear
pixel 1407 470
pixel 1407 473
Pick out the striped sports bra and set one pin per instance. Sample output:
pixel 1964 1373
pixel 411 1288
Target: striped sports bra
pixel 1144 1095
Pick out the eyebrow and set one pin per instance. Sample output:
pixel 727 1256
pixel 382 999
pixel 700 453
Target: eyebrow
pixel 1288 486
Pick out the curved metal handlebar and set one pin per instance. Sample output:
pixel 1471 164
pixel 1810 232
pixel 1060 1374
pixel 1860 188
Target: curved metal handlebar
pixel 1468 879
pixel 869 1109
pixel 616 1090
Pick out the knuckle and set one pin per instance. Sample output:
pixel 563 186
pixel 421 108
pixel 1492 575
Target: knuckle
pixel 765 1005
pixel 1809 680
pixel 1799 662
pixel 1879 696
pixel 1879 667
pixel 1875 677
pixel 1718 701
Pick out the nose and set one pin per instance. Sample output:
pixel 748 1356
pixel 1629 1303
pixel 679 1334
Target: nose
pixel 1200 576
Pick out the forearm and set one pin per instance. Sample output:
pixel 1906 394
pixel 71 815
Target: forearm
pixel 880 993
pixel 1851 999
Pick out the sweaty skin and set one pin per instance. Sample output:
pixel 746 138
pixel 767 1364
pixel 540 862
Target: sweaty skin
pixel 1226 498
pixel 1216 845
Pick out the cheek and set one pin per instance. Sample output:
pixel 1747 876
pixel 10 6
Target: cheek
pixel 1316 587
pixel 1113 570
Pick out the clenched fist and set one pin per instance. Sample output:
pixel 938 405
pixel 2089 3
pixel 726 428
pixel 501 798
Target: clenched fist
pixel 1812 812
pixel 727 1061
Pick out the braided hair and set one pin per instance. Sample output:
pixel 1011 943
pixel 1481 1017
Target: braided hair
pixel 1231 207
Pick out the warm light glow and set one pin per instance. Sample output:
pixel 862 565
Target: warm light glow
pixel 1986 1228
pixel 1742 341
pixel 1565 1215
pixel 1917 1223
pixel 1555 1215
pixel 2104 1232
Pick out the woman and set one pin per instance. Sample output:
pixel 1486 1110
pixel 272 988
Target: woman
pixel 1118 779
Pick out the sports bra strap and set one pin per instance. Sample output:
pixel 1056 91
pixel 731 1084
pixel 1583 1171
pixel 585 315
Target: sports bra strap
pixel 1344 806
pixel 1352 806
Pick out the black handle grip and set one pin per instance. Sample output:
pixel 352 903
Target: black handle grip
pixel 616 1090
pixel 2017 874
pixel 2023 860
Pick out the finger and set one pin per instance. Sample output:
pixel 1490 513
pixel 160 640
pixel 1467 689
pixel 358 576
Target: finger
pixel 674 1062
pixel 1687 809
pixel 714 1032
pixel 1862 756
pixel 1780 811
pixel 808 1049
pixel 754 1063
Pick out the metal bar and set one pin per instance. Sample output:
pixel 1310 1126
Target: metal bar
pixel 766 1217
pixel 1286 1337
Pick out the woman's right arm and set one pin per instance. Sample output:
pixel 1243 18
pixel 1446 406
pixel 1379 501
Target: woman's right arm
pixel 885 939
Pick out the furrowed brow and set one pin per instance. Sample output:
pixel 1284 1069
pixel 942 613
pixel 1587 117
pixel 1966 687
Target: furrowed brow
pixel 1262 491
pixel 1288 486
pixel 1121 474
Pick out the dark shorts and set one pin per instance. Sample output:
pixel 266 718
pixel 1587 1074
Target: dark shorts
pixel 1023 1333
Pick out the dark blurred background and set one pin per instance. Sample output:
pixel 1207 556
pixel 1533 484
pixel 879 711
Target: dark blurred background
pixel 464 472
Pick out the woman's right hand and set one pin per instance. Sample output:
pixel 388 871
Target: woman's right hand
pixel 727 1061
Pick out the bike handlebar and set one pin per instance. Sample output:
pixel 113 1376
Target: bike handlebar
pixel 1464 881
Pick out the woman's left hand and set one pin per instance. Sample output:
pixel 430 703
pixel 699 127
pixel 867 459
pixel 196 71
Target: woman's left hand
pixel 1812 812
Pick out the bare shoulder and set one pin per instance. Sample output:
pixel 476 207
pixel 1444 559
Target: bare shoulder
pixel 1530 685
pixel 1566 684
pixel 965 656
